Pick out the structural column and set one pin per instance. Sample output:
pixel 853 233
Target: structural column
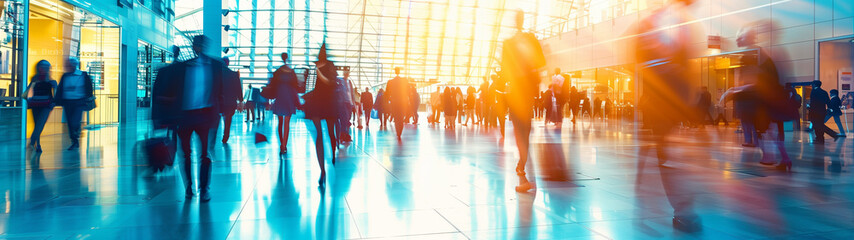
pixel 212 26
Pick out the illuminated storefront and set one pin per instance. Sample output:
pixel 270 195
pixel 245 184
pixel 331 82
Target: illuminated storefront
pixel 809 47
pixel 98 32
pixel 59 30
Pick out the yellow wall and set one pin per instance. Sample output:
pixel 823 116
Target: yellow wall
pixel 46 42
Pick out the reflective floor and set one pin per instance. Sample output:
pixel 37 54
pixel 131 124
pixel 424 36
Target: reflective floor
pixel 593 181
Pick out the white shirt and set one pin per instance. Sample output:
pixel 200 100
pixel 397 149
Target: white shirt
pixel 73 86
pixel 197 85
pixel 557 80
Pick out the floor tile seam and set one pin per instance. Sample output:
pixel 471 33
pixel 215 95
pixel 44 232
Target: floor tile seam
pixel 376 161
pixel 413 235
pixel 246 201
pixel 353 217
pixel 450 223
pixel 594 233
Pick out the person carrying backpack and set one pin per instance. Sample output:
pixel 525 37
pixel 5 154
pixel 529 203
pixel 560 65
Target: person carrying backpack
pixel 40 101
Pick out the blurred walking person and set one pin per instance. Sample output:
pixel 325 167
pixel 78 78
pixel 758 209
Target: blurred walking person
pixel 704 103
pixel 663 55
pixel 191 95
pixel 398 95
pixel 231 96
pixel 435 105
pixel 284 86
pixel 345 108
pixel 252 97
pixel 558 81
pixel 450 107
pixel 76 94
pixel 367 100
pixel 415 101
pixel 380 106
pixel 470 103
pixel 458 95
pixel 40 100
pixel 834 111
pixel 321 104
pixel 498 89
pixel 574 103
pixel 484 103
pixel 521 58
pixel 772 105
pixel 819 101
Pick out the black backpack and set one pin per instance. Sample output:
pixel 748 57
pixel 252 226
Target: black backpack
pixel 42 95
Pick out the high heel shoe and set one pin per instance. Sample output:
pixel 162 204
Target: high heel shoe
pixel 322 182
pixel 283 150
pixel 38 148
pixel 786 167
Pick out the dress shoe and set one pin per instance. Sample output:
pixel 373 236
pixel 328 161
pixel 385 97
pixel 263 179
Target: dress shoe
pixel 784 166
pixel 205 196
pixel 188 193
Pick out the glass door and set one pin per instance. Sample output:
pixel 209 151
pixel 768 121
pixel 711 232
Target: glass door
pixel 11 69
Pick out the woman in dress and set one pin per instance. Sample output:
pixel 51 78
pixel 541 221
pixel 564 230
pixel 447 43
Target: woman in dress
pixel 322 104
pixel 40 86
pixel 284 84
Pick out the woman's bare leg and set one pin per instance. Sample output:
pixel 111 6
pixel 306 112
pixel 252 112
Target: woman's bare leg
pixel 333 138
pixel 319 147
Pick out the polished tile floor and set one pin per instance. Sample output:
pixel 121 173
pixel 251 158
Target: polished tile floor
pixel 593 181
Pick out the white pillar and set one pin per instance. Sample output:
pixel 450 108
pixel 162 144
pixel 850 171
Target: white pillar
pixel 212 26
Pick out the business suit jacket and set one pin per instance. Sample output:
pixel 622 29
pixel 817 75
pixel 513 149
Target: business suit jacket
pixel 818 103
pixel 231 91
pixel 88 84
pixel 169 92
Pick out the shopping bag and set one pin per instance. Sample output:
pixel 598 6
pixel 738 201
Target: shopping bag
pixel 375 114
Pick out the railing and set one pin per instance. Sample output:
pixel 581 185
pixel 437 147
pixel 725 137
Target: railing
pixel 106 112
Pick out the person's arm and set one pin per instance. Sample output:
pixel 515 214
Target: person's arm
pixel 27 90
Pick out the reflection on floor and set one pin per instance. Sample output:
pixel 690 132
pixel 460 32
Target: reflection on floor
pixel 435 184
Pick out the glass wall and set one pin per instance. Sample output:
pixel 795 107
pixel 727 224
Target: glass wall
pixel 435 42
pixel 11 71
pixel 59 30
pixel 149 60
pixel 836 71
pixel 614 84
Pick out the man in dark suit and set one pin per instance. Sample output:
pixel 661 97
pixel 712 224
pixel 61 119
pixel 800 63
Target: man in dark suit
pixel 231 96
pixel 818 109
pixel 703 104
pixel 189 95
pixel 398 94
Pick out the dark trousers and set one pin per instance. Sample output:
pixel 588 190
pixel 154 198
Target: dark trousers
pixel 40 116
pixel 226 128
pixel 199 122
pixel 250 110
pixel 343 124
pixel 73 117
pixel 260 107
pixel 367 111
pixel 817 120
